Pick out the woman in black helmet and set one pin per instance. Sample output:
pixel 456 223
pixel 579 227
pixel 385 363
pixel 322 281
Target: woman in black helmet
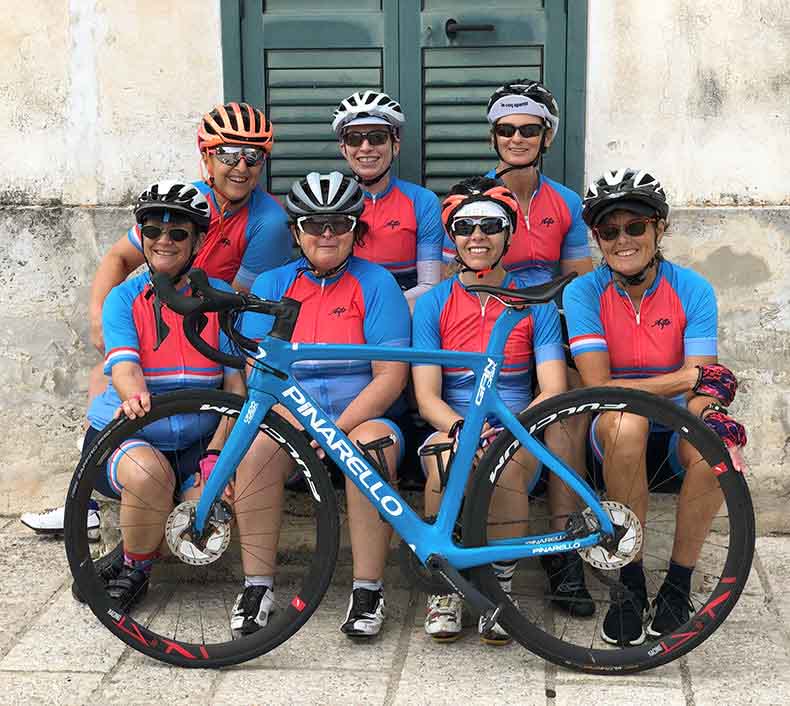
pixel 344 300
pixel 642 322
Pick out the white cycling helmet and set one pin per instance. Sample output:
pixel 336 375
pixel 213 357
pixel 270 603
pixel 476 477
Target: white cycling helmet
pixel 369 108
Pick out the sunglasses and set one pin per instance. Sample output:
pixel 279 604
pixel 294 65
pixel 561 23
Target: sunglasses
pixel 636 227
pixel 338 225
pixel 375 138
pixel 177 235
pixel 490 225
pixel 526 131
pixel 231 156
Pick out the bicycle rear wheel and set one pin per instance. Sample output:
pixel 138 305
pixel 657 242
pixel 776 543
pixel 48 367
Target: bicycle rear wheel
pixel 726 551
pixel 185 617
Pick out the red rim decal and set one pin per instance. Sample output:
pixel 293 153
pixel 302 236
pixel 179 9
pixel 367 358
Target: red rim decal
pixel 298 603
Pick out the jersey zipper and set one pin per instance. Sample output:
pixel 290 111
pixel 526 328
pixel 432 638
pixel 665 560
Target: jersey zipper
pixel 320 304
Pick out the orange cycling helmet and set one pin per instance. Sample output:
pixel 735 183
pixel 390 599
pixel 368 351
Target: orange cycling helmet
pixel 235 123
pixel 479 189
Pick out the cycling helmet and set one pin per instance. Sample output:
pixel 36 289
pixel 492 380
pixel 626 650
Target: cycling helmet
pixel 177 197
pixel 235 123
pixel 524 97
pixel 325 194
pixel 627 189
pixel 372 107
pixel 480 189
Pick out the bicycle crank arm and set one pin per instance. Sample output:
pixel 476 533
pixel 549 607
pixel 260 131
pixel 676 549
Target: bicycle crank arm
pixel 452 577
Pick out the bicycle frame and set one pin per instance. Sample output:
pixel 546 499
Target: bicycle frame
pixel 267 388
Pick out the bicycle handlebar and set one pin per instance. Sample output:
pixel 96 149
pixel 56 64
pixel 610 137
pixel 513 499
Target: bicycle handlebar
pixel 207 299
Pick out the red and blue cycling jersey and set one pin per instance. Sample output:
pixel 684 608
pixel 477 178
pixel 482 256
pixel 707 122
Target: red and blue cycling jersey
pixel 130 336
pixel 552 230
pixel 362 304
pixel 254 238
pixel 677 318
pixel 450 317
pixel 404 228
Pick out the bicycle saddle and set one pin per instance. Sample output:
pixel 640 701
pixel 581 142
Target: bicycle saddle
pixel 539 294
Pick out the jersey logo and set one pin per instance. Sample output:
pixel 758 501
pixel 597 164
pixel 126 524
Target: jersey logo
pixel 548 221
pixel 225 241
pixel 338 311
pixel 392 224
pixel 661 323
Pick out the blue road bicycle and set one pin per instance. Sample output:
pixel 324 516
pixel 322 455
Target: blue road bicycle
pixel 184 619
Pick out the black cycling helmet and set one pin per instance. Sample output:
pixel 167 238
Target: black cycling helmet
pixel 632 190
pixel 330 193
pixel 624 189
pixel 175 196
pixel 523 96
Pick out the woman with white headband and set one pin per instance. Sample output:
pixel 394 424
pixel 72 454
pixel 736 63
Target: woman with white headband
pixel 550 235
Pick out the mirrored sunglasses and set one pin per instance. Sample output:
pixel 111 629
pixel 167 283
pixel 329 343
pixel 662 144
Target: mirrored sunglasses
pixel 231 156
pixel 316 225
pixel 490 225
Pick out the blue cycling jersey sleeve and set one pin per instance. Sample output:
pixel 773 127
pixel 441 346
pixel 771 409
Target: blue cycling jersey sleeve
pixel 387 319
pixel 269 285
pixel 700 337
pixel 547 337
pixel 575 245
pixel 581 303
pixel 428 212
pixel 134 237
pixel 269 239
pixel 121 341
pixel 426 324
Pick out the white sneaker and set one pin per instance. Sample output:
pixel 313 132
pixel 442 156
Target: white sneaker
pixel 51 521
pixel 365 614
pixel 497 635
pixel 443 620
pixel 251 610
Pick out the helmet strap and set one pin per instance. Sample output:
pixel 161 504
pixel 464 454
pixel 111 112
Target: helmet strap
pixel 484 271
pixel 640 277
pixel 314 271
pixel 374 180
pixel 537 161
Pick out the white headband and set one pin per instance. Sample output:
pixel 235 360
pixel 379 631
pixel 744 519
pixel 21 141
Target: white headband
pixel 481 209
pixel 521 105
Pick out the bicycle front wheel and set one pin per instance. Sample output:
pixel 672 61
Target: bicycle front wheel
pixel 184 616
pixel 659 462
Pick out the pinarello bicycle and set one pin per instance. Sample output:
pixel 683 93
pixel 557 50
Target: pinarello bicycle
pixel 184 619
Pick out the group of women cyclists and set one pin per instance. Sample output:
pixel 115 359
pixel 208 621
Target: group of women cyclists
pixel 637 321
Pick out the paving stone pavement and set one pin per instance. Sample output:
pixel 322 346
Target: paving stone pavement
pixel 53 651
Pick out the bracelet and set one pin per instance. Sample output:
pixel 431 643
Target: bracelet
pixel 455 428
pixel 712 407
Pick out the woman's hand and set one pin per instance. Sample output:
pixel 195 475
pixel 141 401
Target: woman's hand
pixel 136 406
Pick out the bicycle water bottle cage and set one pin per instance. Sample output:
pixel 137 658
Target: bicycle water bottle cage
pixel 437 450
pixel 377 447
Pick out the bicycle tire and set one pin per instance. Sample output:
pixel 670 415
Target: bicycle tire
pixel 544 635
pixel 197 585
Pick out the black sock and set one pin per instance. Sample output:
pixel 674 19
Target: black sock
pixel 633 573
pixel 679 577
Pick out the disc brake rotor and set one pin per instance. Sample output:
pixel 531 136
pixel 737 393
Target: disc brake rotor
pixel 183 541
pixel 627 548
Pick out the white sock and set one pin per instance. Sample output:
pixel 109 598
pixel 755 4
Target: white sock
pixel 267 581
pixel 369 585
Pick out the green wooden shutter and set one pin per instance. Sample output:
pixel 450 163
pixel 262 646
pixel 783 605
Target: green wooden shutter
pixel 302 90
pixel 456 86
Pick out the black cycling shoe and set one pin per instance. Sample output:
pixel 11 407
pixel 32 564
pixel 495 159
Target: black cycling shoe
pixel 108 568
pixel 128 588
pixel 671 610
pixel 624 622
pixel 566 584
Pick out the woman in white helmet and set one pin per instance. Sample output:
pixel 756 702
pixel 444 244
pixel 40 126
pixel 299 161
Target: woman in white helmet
pixel 404 220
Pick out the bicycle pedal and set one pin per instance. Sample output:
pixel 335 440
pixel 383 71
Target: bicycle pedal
pixel 490 618
pixel 465 588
